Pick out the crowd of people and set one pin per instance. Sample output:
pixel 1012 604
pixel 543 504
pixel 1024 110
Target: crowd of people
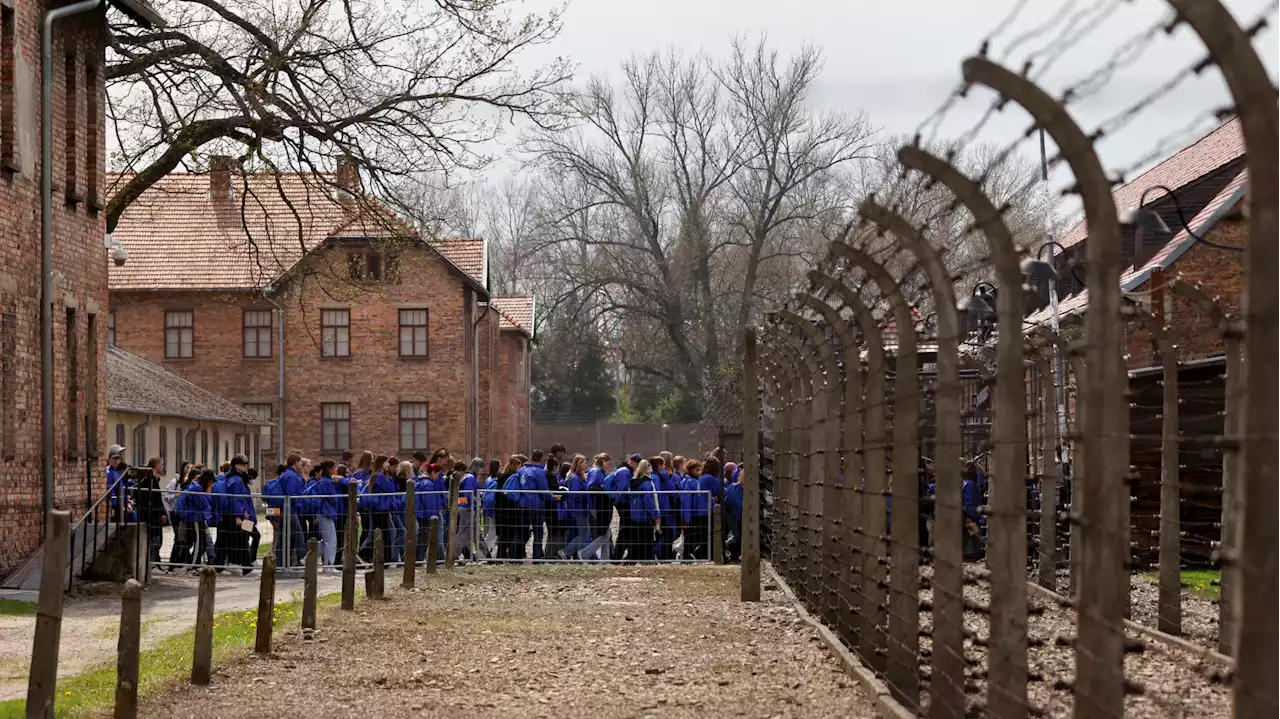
pixel 541 506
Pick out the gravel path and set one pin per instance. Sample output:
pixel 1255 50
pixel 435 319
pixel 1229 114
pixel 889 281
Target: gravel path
pixel 1199 614
pixel 537 641
pixel 91 622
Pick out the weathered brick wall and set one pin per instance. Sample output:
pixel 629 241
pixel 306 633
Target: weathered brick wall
pixel 1219 273
pixel 374 380
pixel 80 285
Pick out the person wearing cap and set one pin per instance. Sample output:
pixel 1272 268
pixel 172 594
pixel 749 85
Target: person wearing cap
pixel 117 486
pixel 238 512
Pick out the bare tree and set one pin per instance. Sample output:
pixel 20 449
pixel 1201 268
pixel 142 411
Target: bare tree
pixel 403 87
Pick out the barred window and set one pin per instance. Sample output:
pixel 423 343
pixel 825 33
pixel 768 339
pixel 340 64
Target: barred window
pixel 335 333
pixel 413 426
pixel 179 334
pixel 335 426
pixel 413 333
pixel 257 333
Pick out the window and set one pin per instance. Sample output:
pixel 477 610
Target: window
pixel 139 445
pixel 70 75
pixel 8 384
pixel 263 411
pixel 111 328
pixel 413 426
pixel 217 447
pixel 179 334
pixel 91 129
pixel 190 444
pixel 164 446
pixel 413 333
pixel 73 388
pixel 204 449
pixel 373 266
pixel 257 333
pixel 120 434
pixel 335 333
pixel 8 81
pixel 91 389
pixel 178 454
pixel 335 426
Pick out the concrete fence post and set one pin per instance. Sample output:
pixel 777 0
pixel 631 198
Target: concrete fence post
pixel 202 653
pixel 43 681
pixel 750 573
pixel 309 582
pixel 127 651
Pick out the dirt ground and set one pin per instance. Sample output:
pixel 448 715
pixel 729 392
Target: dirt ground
pixel 539 641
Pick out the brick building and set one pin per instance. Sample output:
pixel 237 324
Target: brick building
pixel 381 330
pixel 79 299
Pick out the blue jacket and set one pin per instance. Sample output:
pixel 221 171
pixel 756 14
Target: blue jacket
pixel 241 504
pixel 467 491
pixel 118 494
pixel 712 484
pixel 694 504
pixel 644 504
pixel 381 484
pixel 595 476
pixel 664 482
pixel 971 499
pixel 293 485
pixel 618 483
pixel 574 505
pixel 428 502
pixel 193 505
pixel 326 498
pixel 273 498
pixel 517 481
pixel 537 475
pixel 219 503
pixel 489 497
pixel 733 505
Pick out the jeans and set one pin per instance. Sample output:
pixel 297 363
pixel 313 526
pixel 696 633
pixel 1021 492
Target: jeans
pixel 581 535
pixel 466 527
pixel 328 539
pixel 397 538
pixel 297 537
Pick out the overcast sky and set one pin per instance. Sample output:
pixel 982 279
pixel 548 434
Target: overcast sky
pixel 896 60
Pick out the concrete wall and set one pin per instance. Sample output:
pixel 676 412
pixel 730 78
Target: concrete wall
pixel 213 443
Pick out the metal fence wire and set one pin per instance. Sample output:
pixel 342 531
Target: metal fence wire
pixel 996 515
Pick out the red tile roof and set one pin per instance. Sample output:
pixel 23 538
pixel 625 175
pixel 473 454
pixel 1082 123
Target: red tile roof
pixel 515 313
pixel 1132 277
pixel 1223 145
pixel 178 237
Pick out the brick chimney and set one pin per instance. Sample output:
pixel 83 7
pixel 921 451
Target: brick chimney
pixel 220 177
pixel 348 176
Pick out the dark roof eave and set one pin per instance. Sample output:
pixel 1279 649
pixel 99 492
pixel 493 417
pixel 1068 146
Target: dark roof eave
pixel 161 413
pixel 141 12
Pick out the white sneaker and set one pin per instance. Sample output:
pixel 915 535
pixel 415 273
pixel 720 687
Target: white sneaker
pixel 561 555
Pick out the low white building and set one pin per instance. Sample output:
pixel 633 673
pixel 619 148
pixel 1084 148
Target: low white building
pixel 152 412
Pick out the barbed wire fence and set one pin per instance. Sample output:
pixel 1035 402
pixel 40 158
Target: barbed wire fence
pixel 1037 615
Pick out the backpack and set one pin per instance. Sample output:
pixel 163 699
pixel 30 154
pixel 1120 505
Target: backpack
pixel 515 482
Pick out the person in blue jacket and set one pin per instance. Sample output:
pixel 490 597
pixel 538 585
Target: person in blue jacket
pixel 428 502
pixel 619 486
pixel 374 500
pixel 733 496
pixel 192 515
pixel 292 485
pixel 535 503
pixel 696 508
pixel 971 502
pixel 117 486
pixel 467 501
pixel 664 483
pixel 488 509
pixel 395 509
pixel 601 509
pixel 239 515
pixel 646 518
pixel 326 497
pixel 576 509
pixel 362 476
pixel 508 513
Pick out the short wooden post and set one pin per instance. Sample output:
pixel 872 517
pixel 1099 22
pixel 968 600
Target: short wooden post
pixel 350 543
pixel 379 563
pixel 717 536
pixel 433 550
pixel 750 472
pixel 309 581
pixel 410 538
pixel 266 606
pixel 43 681
pixel 202 657
pixel 127 650
pixel 451 541
pixel 368 584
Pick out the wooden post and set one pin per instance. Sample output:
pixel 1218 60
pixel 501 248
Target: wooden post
pixel 266 605
pixel 750 574
pixel 309 581
pixel 368 584
pixel 717 537
pixel 350 542
pixel 433 549
pixel 127 650
pixel 1232 498
pixel 451 540
pixel 43 681
pixel 202 656
pixel 379 563
pixel 410 537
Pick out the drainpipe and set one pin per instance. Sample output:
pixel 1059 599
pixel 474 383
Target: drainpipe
pixel 46 243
